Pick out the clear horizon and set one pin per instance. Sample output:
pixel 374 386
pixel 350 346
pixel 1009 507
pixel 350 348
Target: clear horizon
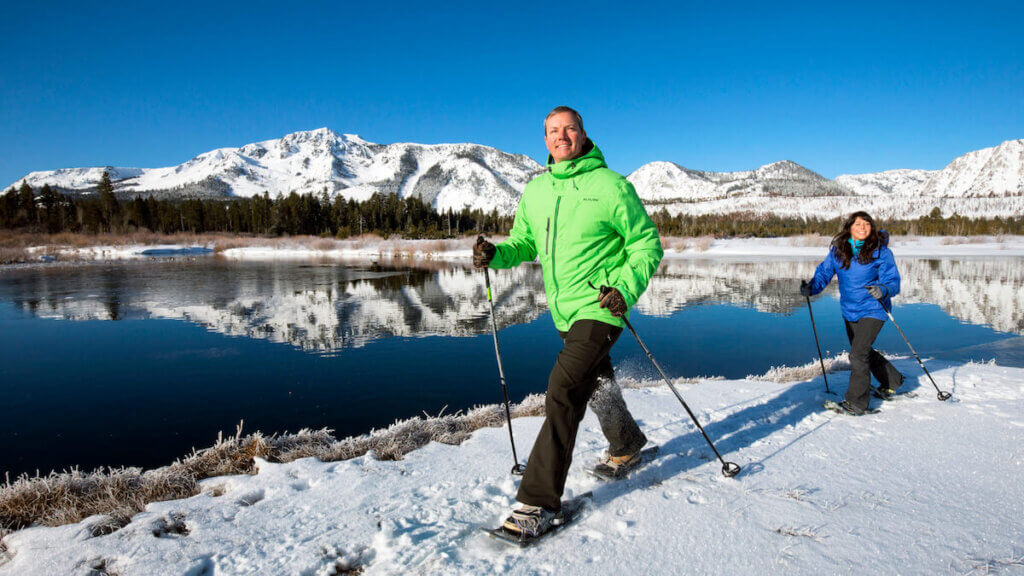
pixel 836 90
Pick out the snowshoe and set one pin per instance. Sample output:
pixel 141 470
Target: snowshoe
pixel 530 525
pixel 888 394
pixel 612 468
pixel 844 408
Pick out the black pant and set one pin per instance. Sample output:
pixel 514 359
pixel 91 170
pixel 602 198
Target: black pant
pixel 865 361
pixel 583 371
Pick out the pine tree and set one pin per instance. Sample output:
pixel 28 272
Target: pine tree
pixel 26 204
pixel 110 210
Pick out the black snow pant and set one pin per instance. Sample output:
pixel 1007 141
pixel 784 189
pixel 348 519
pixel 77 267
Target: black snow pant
pixel 583 372
pixel 865 361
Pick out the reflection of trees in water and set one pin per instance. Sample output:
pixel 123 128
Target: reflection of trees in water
pixel 978 291
pixel 768 286
pixel 989 291
pixel 329 307
pixel 314 307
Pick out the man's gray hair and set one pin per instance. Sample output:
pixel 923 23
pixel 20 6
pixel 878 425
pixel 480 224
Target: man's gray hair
pixel 559 110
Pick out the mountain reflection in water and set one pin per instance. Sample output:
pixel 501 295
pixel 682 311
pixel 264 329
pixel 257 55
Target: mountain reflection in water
pixel 326 308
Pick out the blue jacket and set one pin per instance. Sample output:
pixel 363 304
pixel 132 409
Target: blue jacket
pixel 854 299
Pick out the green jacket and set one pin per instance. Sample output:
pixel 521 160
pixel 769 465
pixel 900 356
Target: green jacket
pixel 586 224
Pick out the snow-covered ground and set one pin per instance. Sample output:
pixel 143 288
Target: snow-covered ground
pixel 816 247
pixel 123 252
pixel 461 250
pixel 923 487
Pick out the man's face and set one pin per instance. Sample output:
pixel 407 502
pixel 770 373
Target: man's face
pixel 564 137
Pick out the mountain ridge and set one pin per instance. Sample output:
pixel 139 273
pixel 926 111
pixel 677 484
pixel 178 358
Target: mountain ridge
pixel 982 183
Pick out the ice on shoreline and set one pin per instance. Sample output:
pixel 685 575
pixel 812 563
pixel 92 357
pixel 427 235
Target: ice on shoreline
pixel 460 250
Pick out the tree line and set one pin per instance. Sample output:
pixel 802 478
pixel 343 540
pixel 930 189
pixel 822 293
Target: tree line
pixel 770 225
pixel 293 214
pixel 46 210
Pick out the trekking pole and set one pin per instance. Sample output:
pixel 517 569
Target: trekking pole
pixel 729 469
pixel 942 396
pixel 816 343
pixel 517 468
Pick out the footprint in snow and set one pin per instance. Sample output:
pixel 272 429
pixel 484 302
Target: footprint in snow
pixel 251 498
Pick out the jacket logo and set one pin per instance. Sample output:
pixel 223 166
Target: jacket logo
pixel 589 199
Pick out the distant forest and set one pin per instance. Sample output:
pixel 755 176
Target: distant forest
pixel 46 210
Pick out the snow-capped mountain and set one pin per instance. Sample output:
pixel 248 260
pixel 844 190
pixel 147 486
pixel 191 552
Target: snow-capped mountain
pixel 668 183
pixel 984 183
pixel 888 183
pixel 443 175
pixel 997 171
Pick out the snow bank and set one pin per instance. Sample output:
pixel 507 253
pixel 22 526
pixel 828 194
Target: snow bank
pixel 126 252
pixel 817 247
pixel 923 487
pixel 461 250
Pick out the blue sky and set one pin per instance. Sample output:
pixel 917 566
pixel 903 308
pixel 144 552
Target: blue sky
pixel 711 86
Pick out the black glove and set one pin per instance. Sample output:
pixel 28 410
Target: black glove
pixel 876 292
pixel 805 289
pixel 613 300
pixel 483 253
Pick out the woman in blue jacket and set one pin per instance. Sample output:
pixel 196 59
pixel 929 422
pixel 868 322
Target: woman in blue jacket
pixel 868 279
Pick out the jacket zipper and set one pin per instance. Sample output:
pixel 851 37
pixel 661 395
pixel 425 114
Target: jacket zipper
pixel 547 238
pixel 554 278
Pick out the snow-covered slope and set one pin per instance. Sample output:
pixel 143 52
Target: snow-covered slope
pixel 923 487
pixel 888 183
pixel 668 183
pixel 984 183
pixel 997 171
pixel 443 175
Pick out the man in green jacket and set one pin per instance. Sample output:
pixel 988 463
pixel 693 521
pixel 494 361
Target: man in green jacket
pixel 587 226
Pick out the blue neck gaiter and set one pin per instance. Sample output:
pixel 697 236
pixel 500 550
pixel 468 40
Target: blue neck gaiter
pixel 856 245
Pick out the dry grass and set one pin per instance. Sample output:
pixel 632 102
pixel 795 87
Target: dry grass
pixel 996 565
pixel 324 245
pixel 811 240
pixel 800 532
pixel 67 497
pixel 14 255
pixel 675 243
pixel 954 240
pixel 657 382
pixel 809 371
pixel 703 243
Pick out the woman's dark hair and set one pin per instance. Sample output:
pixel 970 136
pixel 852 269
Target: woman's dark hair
pixel 841 241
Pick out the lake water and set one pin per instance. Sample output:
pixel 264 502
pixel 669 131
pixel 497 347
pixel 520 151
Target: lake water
pixel 137 363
